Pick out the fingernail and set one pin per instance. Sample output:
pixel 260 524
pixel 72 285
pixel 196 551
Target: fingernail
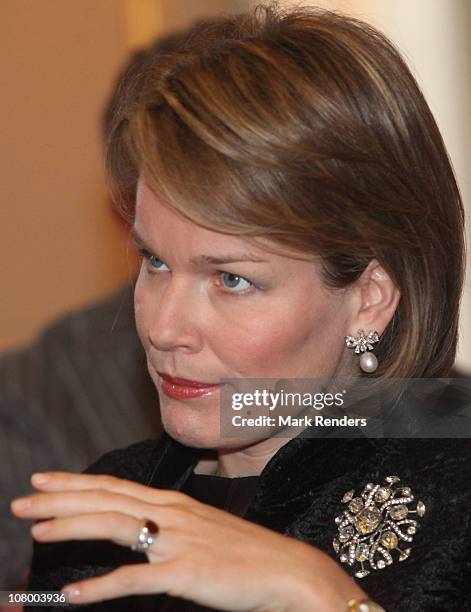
pixel 22 503
pixel 40 478
pixel 71 592
pixel 40 528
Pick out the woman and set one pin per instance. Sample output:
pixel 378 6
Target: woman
pixel 288 186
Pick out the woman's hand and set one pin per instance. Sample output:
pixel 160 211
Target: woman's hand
pixel 201 553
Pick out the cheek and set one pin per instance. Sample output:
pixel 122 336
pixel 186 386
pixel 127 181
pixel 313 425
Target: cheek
pixel 275 345
pixel 282 341
pixel 261 341
pixel 141 311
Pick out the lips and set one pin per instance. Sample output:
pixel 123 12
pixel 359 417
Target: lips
pixel 183 388
pixel 185 382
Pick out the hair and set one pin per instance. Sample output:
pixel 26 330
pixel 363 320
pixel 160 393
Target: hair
pixel 306 127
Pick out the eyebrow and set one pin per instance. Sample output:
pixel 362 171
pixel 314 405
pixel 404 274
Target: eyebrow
pixel 203 259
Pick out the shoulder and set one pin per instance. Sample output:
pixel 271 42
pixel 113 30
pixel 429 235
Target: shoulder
pixel 96 325
pixel 435 575
pixel 438 472
pixel 440 458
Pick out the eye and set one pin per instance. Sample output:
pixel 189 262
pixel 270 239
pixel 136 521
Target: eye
pixel 154 262
pixel 234 283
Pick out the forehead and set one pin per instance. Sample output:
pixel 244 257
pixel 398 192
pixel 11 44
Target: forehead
pixel 156 221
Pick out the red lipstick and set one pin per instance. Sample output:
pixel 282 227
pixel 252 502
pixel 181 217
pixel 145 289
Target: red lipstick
pixel 182 388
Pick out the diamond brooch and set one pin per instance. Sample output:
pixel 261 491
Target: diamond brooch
pixel 375 523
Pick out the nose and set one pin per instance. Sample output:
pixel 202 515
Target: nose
pixel 174 319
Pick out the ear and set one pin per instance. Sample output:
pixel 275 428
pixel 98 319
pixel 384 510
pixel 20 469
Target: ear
pixel 375 297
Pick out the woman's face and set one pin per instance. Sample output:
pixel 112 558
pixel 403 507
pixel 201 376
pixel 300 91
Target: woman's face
pixel 211 306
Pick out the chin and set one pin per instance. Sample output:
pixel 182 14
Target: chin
pixel 207 438
pixel 192 439
pixel 191 425
pixel 198 429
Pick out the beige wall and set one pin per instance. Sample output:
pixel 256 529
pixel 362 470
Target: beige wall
pixel 146 18
pixel 60 244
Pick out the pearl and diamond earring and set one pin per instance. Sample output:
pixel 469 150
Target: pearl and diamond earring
pixel 364 344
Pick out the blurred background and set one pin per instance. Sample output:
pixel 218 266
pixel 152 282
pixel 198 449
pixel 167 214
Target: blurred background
pixel 61 244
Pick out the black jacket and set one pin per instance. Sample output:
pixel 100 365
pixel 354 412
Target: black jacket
pixel 299 494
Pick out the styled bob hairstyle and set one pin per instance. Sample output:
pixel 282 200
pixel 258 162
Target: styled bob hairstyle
pixel 306 127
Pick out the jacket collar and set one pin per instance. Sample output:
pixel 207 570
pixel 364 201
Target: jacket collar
pixel 287 483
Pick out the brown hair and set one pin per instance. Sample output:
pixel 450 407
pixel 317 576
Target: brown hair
pixel 307 127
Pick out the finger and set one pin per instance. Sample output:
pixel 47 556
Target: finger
pixel 127 580
pixel 69 481
pixel 115 526
pixel 45 505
